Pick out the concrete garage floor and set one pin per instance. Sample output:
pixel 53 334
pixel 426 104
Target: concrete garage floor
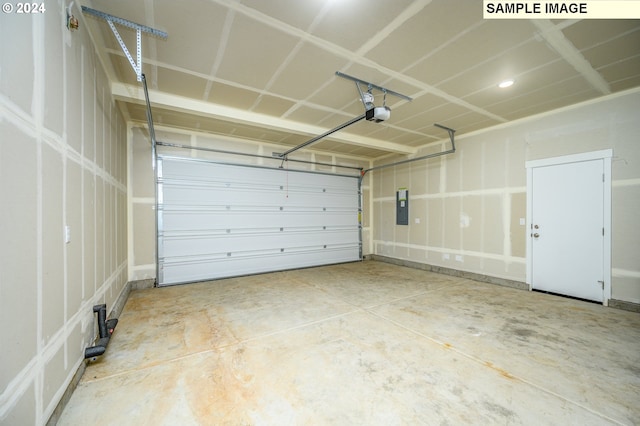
pixel 361 344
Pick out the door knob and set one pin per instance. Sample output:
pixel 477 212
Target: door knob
pixel 536 235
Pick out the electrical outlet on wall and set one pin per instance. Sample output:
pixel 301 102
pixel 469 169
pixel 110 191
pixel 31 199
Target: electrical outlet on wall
pixel 417 220
pixel 445 256
pixel 522 221
pixel 459 258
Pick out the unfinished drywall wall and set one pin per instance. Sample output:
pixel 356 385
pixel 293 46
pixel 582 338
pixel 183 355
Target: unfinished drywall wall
pixel 467 208
pixel 455 218
pixel 62 164
pixel 142 191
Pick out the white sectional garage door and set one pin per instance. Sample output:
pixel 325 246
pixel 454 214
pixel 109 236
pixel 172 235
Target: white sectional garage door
pixel 219 220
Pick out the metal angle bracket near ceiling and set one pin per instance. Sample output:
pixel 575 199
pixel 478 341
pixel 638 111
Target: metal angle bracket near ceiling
pixel 372 112
pixel 367 99
pixel 136 65
pixel 111 20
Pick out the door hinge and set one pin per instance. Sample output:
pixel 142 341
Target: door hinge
pixel 602 283
pixel 603 177
pixel 603 232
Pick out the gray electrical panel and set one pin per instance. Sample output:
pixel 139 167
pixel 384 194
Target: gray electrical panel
pixel 402 206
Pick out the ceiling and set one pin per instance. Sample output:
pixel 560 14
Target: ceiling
pixel 266 70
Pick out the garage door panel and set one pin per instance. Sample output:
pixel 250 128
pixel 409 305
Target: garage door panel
pixel 221 196
pixel 262 178
pixel 275 256
pixel 190 244
pixel 202 269
pixel 223 220
pixel 218 220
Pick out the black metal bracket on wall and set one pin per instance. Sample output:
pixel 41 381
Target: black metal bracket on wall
pixel 105 330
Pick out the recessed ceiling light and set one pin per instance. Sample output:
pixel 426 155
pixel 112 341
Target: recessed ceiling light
pixel 505 84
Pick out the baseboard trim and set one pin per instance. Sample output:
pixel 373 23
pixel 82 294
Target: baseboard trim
pixel 143 284
pixel 450 271
pixel 66 396
pixel 613 303
pixel 624 305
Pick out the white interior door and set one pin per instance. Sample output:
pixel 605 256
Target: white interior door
pixel 567 229
pixel 219 220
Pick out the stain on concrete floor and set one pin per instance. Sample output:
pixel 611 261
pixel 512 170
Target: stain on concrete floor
pixel 362 343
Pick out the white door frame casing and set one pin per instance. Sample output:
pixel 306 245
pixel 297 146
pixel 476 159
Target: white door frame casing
pixel 605 155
